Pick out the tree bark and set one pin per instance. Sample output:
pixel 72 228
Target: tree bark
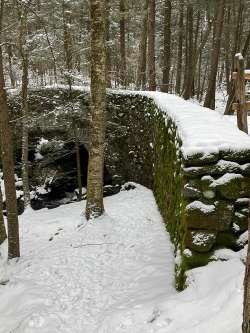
pixel 188 84
pixel 3 234
pixel 142 59
pixel 151 46
pixel 166 46
pixel 122 43
pixel 180 48
pixel 246 302
pixel 94 207
pixel 231 96
pixel 7 160
pixel 24 104
pixel 210 95
pixel 11 74
pixel 108 48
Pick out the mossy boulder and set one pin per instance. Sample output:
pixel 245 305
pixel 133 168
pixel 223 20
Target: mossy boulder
pixel 240 222
pixel 200 158
pixel 191 192
pixel 237 156
pixel 242 202
pixel 200 240
pixel 193 259
pixel 214 169
pixel 232 186
pixel 228 240
pixel 207 192
pixel 216 217
pixel 245 169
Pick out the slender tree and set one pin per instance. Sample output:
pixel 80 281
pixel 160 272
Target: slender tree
pixel 122 43
pixel 151 45
pixel 166 46
pixel 218 26
pixel 7 159
pixel 142 58
pixel 23 47
pixel 188 82
pixel 180 48
pixel 246 302
pixel 95 205
pixel 3 235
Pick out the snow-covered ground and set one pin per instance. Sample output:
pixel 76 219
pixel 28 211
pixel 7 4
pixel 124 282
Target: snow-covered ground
pixel 113 275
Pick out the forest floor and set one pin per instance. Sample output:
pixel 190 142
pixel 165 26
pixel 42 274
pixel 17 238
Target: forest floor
pixel 113 275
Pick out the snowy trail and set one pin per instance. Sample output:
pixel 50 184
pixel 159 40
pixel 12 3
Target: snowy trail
pixel 76 280
pixel 115 275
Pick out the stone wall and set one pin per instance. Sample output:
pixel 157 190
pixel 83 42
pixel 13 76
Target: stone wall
pixel 203 198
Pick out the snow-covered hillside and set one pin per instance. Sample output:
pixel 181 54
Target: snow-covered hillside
pixel 112 275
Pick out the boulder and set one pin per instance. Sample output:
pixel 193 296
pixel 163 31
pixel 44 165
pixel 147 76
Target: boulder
pixel 232 186
pixel 217 217
pixel 200 240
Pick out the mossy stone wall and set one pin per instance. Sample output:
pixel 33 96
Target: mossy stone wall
pixel 203 198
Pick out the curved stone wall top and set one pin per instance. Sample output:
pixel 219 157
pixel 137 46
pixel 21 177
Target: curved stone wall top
pixel 206 135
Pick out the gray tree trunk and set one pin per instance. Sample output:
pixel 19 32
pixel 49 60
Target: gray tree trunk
pixel 151 46
pixel 95 207
pixel 3 235
pixel 141 77
pixel 210 95
pixel 180 48
pixel 7 160
pixel 166 47
pixel 24 104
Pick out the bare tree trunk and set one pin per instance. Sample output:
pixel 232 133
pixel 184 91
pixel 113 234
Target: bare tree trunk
pixel 231 95
pixel 122 43
pixel 3 234
pixel 142 59
pixel 180 48
pixel 151 45
pixel 94 207
pixel 78 162
pixel 11 74
pixel 227 47
pixel 167 46
pixel 108 48
pixel 188 84
pixel 67 41
pixel 210 95
pixel 7 160
pixel 24 101
pixel 246 303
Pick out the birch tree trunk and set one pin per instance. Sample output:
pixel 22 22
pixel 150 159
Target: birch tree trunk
pixel 94 207
pixel 7 160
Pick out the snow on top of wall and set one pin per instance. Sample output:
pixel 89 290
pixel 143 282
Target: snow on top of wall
pixel 202 130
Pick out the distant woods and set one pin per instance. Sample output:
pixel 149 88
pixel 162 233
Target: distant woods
pixel 177 46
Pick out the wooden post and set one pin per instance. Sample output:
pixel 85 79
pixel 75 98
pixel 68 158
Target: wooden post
pixel 241 93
